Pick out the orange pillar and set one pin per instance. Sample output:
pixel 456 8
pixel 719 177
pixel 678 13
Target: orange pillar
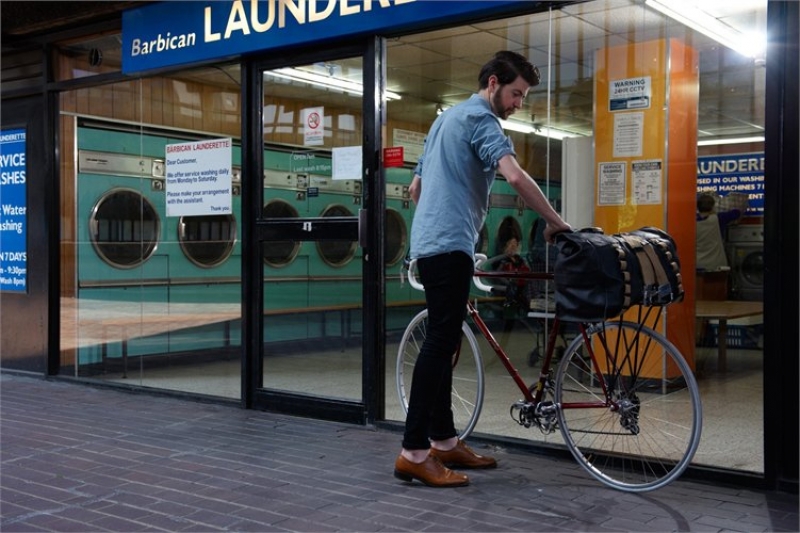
pixel 646 100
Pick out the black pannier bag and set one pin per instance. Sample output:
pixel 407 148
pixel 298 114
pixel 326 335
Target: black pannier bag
pixel 599 276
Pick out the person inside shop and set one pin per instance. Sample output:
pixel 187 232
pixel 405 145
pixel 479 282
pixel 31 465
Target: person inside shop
pixel 711 228
pixel 464 149
pixel 516 296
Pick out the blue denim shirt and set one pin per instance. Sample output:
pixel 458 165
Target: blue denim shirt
pixel 457 166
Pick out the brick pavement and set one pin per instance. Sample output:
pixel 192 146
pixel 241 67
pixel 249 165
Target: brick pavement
pixel 80 458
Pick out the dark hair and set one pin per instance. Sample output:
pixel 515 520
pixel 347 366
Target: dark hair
pixel 507 66
pixel 705 202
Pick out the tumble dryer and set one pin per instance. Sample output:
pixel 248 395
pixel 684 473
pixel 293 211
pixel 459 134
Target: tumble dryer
pixel 745 246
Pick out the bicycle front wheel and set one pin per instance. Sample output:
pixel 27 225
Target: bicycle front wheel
pixel 631 415
pixel 467 392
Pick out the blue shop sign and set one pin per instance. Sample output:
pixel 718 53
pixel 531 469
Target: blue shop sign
pixel 743 173
pixel 176 33
pixel 13 212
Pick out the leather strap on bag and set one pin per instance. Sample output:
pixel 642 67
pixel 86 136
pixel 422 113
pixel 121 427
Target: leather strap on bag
pixel 637 245
pixel 658 288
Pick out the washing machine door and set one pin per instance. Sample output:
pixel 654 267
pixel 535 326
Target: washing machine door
pixel 751 270
pixel 208 240
pixel 124 228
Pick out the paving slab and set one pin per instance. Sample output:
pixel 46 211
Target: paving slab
pixel 75 457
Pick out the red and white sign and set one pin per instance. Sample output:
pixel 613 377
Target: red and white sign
pixel 393 157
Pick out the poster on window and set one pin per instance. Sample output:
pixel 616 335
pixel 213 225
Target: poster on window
pixel 13 215
pixel 199 176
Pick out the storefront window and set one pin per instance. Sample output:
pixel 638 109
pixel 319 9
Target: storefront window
pixel 698 120
pixel 151 295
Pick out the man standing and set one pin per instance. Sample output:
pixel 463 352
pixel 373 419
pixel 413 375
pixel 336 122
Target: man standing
pixel 464 149
pixel 711 227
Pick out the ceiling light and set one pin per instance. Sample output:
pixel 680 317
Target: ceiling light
pixel 730 140
pixel 520 127
pixel 543 131
pixel 554 133
pixel 689 15
pixel 325 82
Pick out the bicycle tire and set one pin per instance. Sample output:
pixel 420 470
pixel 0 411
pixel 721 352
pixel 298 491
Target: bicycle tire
pixel 468 379
pixel 648 435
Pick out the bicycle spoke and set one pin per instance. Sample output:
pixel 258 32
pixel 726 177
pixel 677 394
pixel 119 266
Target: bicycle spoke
pixel 650 429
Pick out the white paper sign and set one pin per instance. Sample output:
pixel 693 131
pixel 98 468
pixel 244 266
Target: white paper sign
pixel 313 126
pixel 199 178
pixel 646 178
pixel 628 134
pixel 411 141
pixel 611 184
pixel 346 163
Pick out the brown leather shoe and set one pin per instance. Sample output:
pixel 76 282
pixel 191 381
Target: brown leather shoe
pixel 431 472
pixel 462 456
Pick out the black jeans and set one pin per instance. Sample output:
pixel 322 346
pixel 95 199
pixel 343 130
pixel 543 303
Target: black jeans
pixel 447 278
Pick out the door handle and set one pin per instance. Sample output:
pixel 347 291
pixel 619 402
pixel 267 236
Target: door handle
pixel 362 228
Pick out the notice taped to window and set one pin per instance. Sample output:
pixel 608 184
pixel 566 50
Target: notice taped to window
pixel 199 176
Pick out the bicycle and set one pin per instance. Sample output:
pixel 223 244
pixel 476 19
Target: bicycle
pixel 623 397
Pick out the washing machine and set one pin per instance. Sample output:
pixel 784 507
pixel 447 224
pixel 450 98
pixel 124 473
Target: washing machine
pixel 745 247
pixel 120 254
pixel 121 214
pixel 399 216
pixel 507 217
pixel 129 251
pixel 335 270
pixel 205 250
pixel 286 263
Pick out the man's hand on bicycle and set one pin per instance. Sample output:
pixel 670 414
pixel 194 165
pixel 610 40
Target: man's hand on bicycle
pixel 553 229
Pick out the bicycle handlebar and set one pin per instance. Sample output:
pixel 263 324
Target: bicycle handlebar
pixel 480 260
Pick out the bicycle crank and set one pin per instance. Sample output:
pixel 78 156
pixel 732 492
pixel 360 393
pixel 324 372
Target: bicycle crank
pixel 543 415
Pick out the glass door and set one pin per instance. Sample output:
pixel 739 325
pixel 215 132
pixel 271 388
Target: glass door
pixel 311 319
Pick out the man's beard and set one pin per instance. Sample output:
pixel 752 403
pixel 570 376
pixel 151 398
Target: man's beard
pixel 497 104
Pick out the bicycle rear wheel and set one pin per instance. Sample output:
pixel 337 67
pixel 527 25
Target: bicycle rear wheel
pixel 468 381
pixel 634 421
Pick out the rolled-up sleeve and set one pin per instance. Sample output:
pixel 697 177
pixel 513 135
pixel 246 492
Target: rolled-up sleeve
pixel 490 143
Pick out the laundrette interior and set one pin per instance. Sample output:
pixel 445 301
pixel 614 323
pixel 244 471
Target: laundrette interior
pixel 154 300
